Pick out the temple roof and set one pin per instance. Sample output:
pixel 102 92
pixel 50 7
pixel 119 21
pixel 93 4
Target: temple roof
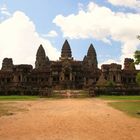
pixel 42 61
pixel 41 51
pixel 91 51
pixel 66 50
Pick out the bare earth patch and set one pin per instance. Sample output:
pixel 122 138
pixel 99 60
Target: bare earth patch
pixel 68 119
pixel 10 108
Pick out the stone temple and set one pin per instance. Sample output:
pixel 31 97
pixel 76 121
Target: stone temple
pixel 65 73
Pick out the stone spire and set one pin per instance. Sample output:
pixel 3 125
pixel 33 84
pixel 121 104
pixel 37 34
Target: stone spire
pixel 66 51
pixel 85 58
pixel 41 60
pixel 91 51
pixel 40 52
pixel 92 57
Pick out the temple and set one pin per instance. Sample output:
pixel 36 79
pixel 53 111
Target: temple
pixel 65 73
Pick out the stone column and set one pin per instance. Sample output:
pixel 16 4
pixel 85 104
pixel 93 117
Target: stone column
pixel 70 76
pixel 62 77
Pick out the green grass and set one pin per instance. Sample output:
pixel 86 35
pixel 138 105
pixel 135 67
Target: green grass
pixel 13 97
pixel 127 104
pixel 120 97
pixel 131 108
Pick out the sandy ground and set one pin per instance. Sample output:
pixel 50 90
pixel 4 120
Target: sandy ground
pixel 68 119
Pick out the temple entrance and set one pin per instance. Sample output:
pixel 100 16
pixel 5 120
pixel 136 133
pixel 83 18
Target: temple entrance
pixel 67 76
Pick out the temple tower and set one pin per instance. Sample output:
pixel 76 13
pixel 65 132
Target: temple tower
pixel 42 61
pixel 7 64
pixel 91 59
pixel 129 64
pixel 129 72
pixel 66 51
pixel 91 73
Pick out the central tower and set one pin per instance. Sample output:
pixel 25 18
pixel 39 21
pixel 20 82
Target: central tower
pixel 66 52
pixel 42 61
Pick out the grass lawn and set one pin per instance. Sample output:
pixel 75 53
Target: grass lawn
pixel 119 97
pixel 127 104
pixel 13 97
pixel 131 108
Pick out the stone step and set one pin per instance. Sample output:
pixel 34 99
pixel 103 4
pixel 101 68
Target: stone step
pixel 70 94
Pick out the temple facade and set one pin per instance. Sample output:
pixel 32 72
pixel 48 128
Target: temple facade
pixel 65 73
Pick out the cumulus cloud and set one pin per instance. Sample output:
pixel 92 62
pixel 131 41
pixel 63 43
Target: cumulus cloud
pixel 20 40
pixel 52 33
pixel 101 23
pixel 109 61
pixel 4 10
pixel 80 6
pixel 4 13
pixel 126 3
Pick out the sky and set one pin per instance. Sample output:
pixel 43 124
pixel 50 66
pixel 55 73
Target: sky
pixel 111 26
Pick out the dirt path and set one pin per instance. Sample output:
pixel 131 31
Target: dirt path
pixel 69 119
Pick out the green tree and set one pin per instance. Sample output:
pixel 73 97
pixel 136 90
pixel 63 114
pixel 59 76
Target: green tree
pixel 138 78
pixel 137 54
pixel 137 57
pixel 137 61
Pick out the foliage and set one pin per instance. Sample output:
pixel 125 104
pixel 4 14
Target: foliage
pixel 138 78
pixel 131 108
pixel 137 57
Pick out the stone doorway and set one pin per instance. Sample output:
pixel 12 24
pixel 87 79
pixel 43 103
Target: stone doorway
pixel 67 76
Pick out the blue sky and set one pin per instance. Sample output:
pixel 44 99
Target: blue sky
pixel 110 25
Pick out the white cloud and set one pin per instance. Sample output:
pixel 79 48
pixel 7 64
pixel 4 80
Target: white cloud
pixel 126 3
pixel 52 33
pixel 100 22
pixel 20 41
pixel 109 61
pixel 80 6
pixel 105 40
pixel 4 10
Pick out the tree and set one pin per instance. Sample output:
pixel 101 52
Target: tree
pixel 138 78
pixel 137 54
pixel 137 61
pixel 137 57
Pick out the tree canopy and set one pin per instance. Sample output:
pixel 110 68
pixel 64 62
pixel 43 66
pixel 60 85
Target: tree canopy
pixel 138 78
pixel 137 57
pixel 137 54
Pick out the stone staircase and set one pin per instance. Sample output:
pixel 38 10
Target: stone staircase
pixel 70 94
